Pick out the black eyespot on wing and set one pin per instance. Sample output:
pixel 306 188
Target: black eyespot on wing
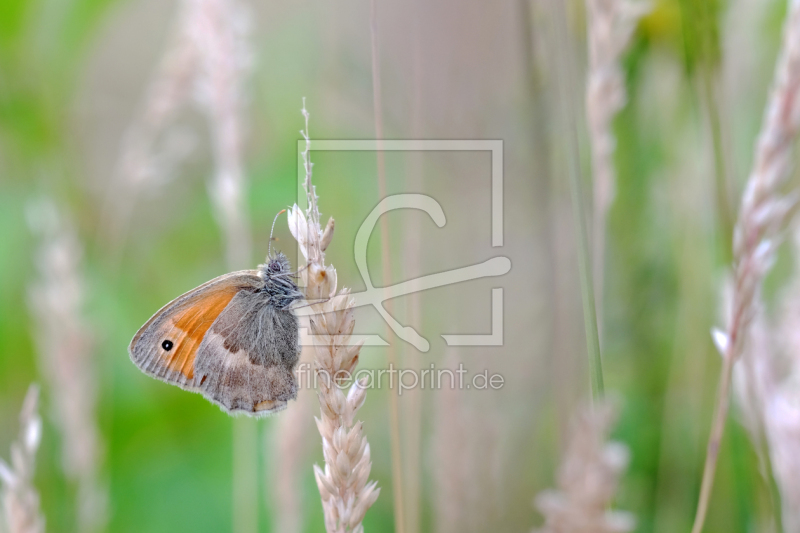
pixel 167 345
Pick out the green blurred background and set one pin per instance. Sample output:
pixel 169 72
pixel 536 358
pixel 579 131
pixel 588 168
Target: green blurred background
pixel 74 76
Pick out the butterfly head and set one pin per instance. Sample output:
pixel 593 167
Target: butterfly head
pixel 277 265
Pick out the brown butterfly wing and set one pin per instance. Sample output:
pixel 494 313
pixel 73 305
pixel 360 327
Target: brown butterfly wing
pixel 166 347
pixel 247 357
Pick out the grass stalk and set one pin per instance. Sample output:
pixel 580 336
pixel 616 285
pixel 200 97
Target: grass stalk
pixel 565 82
pixel 19 498
pixel 587 478
pixel 721 173
pixel 610 24
pixel 394 407
pixel 762 218
pixel 343 483
pixel 412 264
pixel 65 345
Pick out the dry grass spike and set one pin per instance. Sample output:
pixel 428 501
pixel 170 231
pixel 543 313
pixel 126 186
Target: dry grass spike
pixel 763 217
pixel 20 499
pixel 343 483
pixel 587 479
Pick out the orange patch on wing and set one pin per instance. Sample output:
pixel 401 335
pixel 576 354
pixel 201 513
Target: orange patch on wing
pixel 193 324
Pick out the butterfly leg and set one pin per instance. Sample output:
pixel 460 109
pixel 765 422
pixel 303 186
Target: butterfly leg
pixel 313 303
pixel 294 274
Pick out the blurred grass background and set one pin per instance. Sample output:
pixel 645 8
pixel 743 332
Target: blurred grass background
pixel 73 76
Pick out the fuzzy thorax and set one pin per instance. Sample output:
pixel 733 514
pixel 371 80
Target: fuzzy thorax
pixel 278 283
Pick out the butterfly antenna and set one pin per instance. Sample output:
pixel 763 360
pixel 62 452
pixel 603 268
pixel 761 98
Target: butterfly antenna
pixel 269 248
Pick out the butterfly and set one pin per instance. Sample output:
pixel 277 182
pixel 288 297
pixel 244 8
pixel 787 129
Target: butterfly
pixel 233 339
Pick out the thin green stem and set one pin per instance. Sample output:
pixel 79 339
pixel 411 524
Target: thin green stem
pixel 714 441
pixel 721 179
pixel 576 189
pixel 587 285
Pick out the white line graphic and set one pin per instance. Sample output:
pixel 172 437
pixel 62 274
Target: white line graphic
pixel 375 296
